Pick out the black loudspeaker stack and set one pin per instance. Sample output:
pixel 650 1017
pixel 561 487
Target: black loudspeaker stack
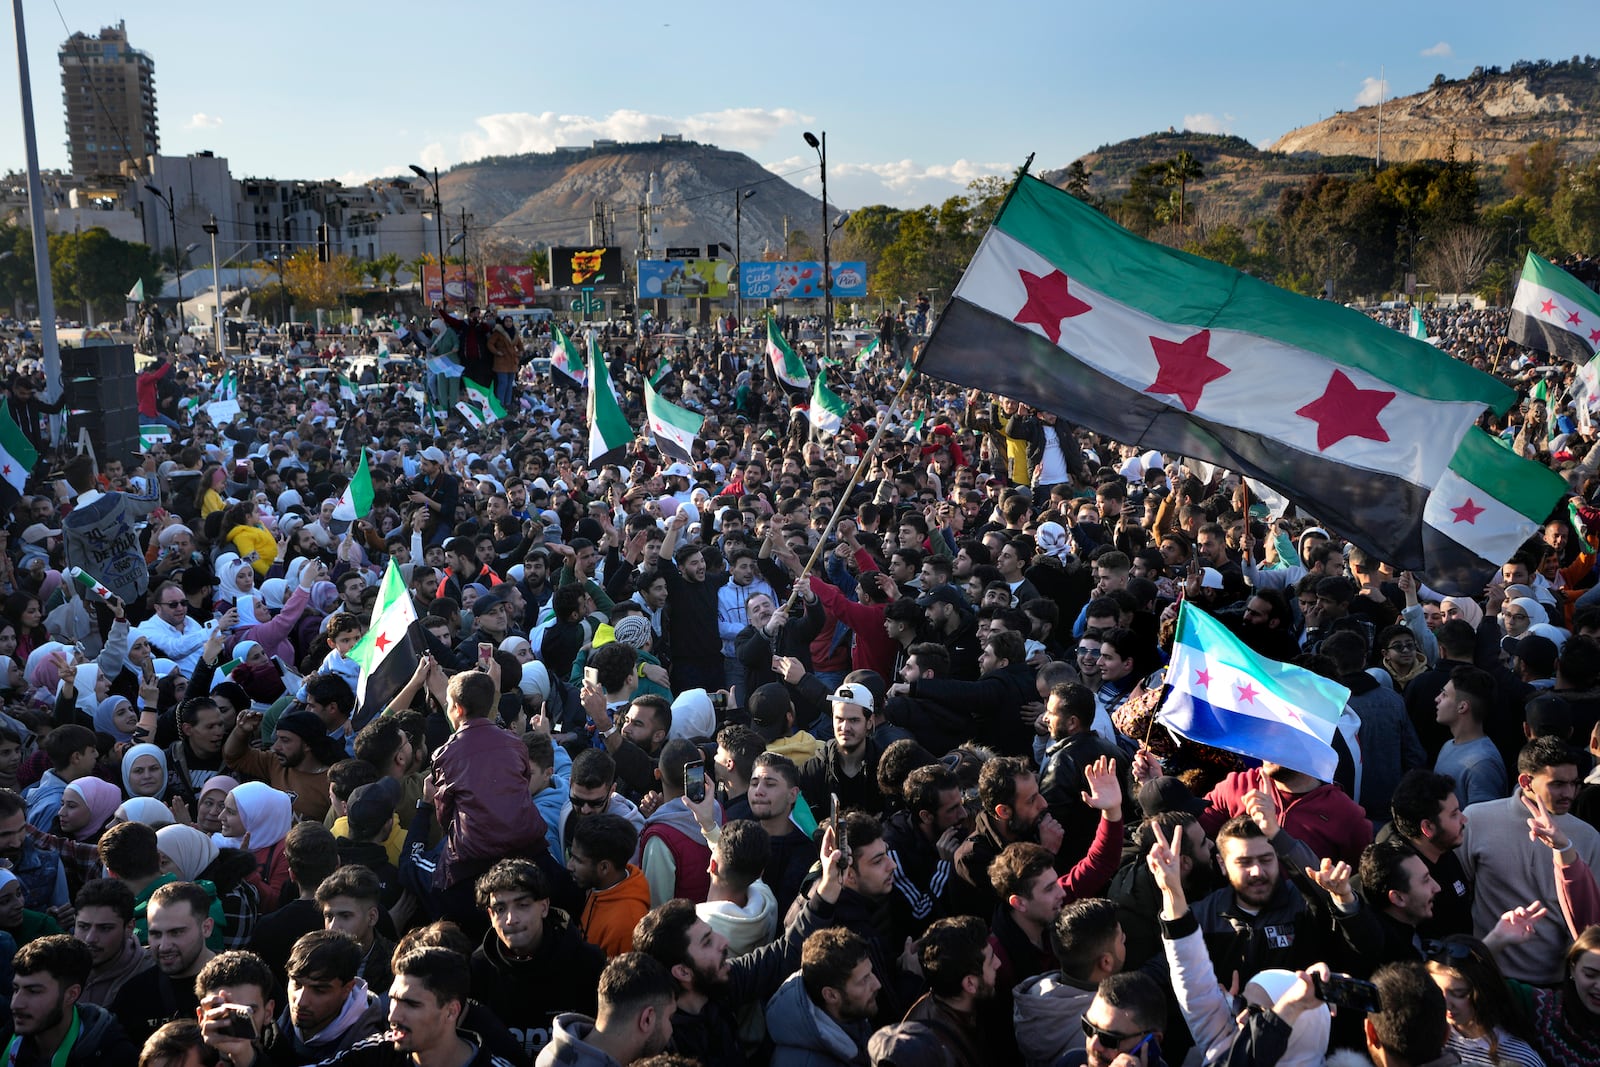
pixel 100 387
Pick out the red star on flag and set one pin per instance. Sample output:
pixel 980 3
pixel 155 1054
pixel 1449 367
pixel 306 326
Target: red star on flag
pixel 1345 410
pixel 1291 713
pixel 1594 337
pixel 6 469
pixel 1248 693
pixel 1467 513
pixel 382 641
pixel 1048 303
pixel 1186 367
pixel 1575 318
pixel 1202 677
pixel 1547 307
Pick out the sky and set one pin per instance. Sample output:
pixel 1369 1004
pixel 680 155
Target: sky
pixel 917 100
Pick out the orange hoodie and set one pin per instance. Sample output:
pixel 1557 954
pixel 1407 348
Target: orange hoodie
pixel 610 915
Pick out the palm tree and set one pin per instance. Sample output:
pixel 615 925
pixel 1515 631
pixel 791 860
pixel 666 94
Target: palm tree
pixel 1182 169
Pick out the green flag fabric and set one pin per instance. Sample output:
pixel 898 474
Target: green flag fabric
pixel 785 364
pixel 609 432
pixel 674 428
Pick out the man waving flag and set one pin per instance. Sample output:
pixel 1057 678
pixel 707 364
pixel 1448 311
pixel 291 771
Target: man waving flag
pixel 389 652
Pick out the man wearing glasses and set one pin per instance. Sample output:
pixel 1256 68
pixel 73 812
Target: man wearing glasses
pixel 1124 1023
pixel 170 630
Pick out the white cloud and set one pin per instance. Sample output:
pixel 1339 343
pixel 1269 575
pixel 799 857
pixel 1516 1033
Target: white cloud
pixel 1372 90
pixel 902 183
pixel 1442 50
pixel 201 121
pixel 1206 122
pixel 513 133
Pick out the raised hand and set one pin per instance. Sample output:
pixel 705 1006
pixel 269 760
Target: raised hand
pixel 1334 878
pixel 1105 789
pixel 1516 926
pixel 1165 861
pixel 1542 825
pixel 1263 811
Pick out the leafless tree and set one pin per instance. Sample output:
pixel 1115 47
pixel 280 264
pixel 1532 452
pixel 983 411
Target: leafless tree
pixel 1458 257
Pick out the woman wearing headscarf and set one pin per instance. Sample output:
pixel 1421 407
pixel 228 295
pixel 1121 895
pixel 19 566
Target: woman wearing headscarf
pixel 116 717
pixel 144 772
pixel 257 817
pixel 195 857
pixel 256 673
pixel 23 924
pixel 87 805
pixel 1487 652
pixel 147 810
pixel 274 632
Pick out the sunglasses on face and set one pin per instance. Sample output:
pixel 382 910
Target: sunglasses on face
pixel 1110 1038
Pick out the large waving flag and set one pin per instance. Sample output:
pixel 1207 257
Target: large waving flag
pixel 17 459
pixel 827 413
pixel 1554 312
pixel 609 432
pixel 1224 695
pixel 564 357
pixel 489 406
pixel 1488 503
pixel 356 500
pixel 1064 310
pixel 389 652
pixel 785 364
pixel 674 428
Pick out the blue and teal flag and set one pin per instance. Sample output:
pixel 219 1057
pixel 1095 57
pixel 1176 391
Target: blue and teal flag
pixel 1226 696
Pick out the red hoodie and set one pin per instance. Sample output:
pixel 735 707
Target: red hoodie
pixel 872 649
pixel 1325 819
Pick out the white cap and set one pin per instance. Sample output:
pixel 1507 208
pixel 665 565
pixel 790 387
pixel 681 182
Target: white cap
pixel 853 693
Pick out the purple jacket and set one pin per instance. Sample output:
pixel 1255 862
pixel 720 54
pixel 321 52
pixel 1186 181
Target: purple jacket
pixel 481 779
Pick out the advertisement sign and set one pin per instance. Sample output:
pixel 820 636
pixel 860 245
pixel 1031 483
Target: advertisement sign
pixel 458 286
pixel 511 286
pixel 660 278
pixel 802 280
pixel 683 252
pixel 585 267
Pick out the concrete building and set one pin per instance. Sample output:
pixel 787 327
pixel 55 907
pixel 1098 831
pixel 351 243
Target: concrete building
pixel 109 90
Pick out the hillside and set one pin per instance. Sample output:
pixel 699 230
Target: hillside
pixel 1239 177
pixel 550 198
pixel 1490 115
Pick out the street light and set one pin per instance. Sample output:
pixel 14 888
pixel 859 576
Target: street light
pixel 210 227
pixel 438 221
pixel 170 199
pixel 821 147
pixel 739 197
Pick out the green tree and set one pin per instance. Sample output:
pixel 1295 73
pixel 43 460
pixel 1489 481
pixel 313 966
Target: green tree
pixel 539 260
pixel 1180 170
pixel 95 268
pixel 1575 208
pixel 1077 181
pixel 1536 171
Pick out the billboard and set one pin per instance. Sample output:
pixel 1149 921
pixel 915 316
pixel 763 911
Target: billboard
pixel 458 288
pixel 585 267
pixel 800 280
pixel 511 286
pixel 660 278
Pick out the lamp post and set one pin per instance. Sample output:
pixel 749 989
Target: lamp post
pixel 438 219
pixel 170 199
pixel 821 146
pixel 739 197
pixel 210 227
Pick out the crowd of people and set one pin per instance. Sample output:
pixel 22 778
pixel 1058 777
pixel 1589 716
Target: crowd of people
pixel 684 771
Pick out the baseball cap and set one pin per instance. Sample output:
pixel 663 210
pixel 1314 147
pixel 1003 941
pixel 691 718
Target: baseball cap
pixel 944 594
pixel 372 805
pixel 38 532
pixel 1549 714
pixel 853 693
pixel 1538 652
pixel 769 708
pixel 678 470
pixel 433 454
pixel 1168 794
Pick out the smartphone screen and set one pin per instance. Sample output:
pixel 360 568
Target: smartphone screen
pixel 591 676
pixel 694 780
pixel 485 655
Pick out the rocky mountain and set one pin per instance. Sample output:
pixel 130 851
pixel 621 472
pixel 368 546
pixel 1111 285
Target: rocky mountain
pixel 1490 115
pixel 550 198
